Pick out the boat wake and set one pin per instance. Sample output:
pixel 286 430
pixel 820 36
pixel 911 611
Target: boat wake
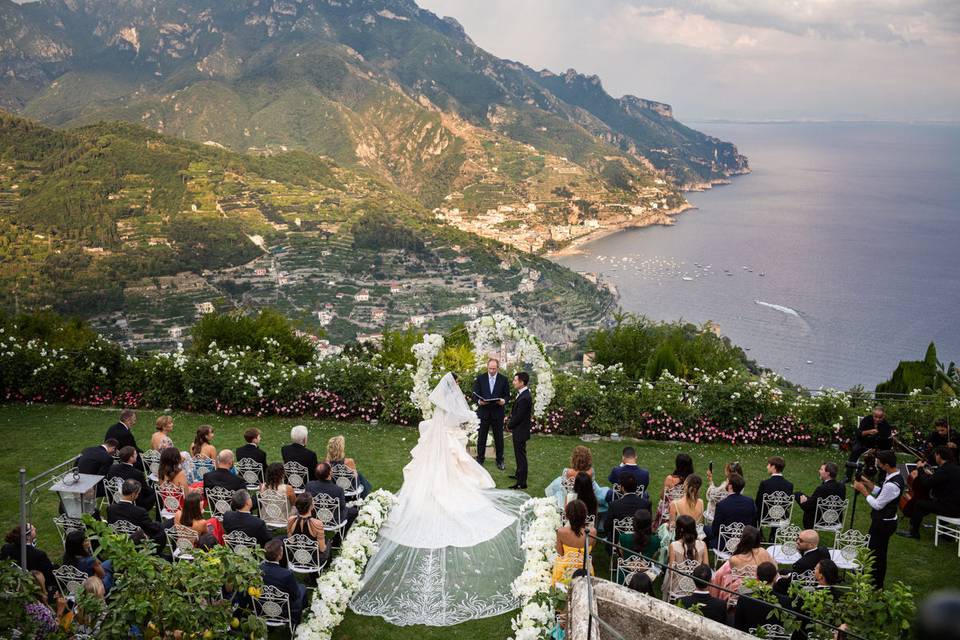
pixel 793 313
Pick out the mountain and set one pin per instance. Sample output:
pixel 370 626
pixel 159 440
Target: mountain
pixel 377 83
pixel 142 232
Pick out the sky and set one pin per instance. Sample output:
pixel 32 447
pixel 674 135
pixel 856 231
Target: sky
pixel 740 59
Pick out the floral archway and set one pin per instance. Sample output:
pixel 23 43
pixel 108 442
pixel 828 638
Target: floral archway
pixel 487 333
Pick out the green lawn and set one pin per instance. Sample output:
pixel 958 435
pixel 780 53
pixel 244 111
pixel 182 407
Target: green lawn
pixel 38 437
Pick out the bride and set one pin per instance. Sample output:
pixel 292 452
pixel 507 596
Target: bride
pixel 451 547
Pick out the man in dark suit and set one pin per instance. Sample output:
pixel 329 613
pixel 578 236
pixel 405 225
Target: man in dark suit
pixel 776 482
pixel 252 448
pixel 239 518
pixel 628 463
pixel 873 432
pixel 829 486
pixel 626 506
pixel 127 509
pixel 734 508
pixel 297 451
pixel 944 487
pixel 221 476
pixel 811 553
pixel 711 608
pixel 491 391
pixel 325 484
pixel 751 613
pixel 125 469
pixel 520 422
pixel 122 431
pixel 283 579
pixel 97 461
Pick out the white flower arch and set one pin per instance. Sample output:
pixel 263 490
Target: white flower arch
pixel 487 333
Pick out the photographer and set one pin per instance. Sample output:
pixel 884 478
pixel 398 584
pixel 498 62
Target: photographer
pixel 883 499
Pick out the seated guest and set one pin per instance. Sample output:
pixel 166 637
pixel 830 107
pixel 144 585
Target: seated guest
pixel 304 522
pixel 583 490
pixel 690 503
pixel 221 476
pixel 45 618
pixel 811 553
pixel 79 624
pixel 336 454
pixel 283 579
pixel 751 613
pixel 274 478
pixel 776 482
pixel 127 508
pixel 683 467
pixel 686 546
pixel 239 518
pixel 297 451
pixel 941 436
pixel 742 564
pixel 829 486
pixel 171 469
pixel 97 461
pixel 733 508
pixel 628 463
pixel 122 431
pixel 78 553
pixel 873 432
pixel 626 506
pixel 711 608
pixel 642 541
pixel 324 484
pixel 571 539
pixel 191 515
pixel 126 468
pixel 37 560
pixel 827 573
pixel 716 493
pixel 160 439
pixel 203 443
pixel 581 461
pixel 252 448
pixel 943 485
pixel 641 582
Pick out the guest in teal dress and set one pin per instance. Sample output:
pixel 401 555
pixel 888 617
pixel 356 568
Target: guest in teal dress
pixel 78 553
pixel 642 541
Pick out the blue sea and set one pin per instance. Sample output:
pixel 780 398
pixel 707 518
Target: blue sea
pixel 838 256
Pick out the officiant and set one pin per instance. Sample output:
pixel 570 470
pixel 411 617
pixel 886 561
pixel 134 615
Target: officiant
pixel 490 391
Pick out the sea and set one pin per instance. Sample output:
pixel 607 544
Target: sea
pixel 837 257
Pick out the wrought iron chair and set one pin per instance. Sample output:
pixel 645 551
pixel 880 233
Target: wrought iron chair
pixel 846 547
pixel 274 508
pixel 303 554
pixel 830 513
pixel 784 547
pixel 182 541
pixel 727 540
pixel 347 479
pixel 113 488
pixel 124 527
pixel 169 498
pixel 296 475
pixel 151 463
pixel 770 632
pixel 682 585
pixel 218 501
pixel 273 607
pixel 251 471
pixel 69 580
pixel 65 524
pixel 776 510
pixel 239 542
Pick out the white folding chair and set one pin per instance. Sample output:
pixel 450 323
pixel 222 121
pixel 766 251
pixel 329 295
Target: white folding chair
pixel 113 488
pixel 948 528
pixel 327 509
pixel 169 499
pixel 202 465
pixel 239 542
pixel 273 607
pixel 846 547
pixel 739 575
pixel 69 580
pixel 347 479
pixel 628 567
pixel 566 483
pixel 182 541
pixel 770 632
pixel 807 579
pixel 251 471
pixel 124 527
pixel 727 540
pixel 784 548
pixel 296 475
pixel 682 585
pixel 776 509
pixel 218 501
pixel 620 526
pixel 619 493
pixel 151 463
pixel 830 513
pixel 303 554
pixel 274 508
pixel 65 524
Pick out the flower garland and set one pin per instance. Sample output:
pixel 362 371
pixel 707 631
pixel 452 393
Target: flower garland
pixel 341 581
pixel 533 586
pixel 425 353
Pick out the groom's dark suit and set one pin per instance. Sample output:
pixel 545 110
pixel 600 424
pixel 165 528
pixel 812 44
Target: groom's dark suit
pixel 520 428
pixel 491 415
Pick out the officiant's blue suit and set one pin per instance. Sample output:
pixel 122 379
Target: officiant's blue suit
pixel 491 415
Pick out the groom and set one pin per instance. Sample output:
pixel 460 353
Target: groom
pixel 520 426
pixel 491 391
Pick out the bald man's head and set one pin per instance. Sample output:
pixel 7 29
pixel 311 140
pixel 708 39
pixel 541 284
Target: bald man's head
pixel 225 459
pixel 809 539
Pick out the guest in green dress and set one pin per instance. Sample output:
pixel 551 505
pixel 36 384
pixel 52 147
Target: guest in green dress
pixel 642 541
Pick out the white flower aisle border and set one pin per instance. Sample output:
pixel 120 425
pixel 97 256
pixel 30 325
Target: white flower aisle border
pixel 337 586
pixel 533 587
pixel 486 334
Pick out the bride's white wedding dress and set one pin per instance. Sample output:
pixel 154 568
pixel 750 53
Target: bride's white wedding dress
pixel 451 546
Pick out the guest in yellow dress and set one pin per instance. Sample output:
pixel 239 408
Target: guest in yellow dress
pixel 570 542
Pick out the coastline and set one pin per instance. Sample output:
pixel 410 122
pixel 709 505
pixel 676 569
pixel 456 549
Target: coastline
pixel 662 218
